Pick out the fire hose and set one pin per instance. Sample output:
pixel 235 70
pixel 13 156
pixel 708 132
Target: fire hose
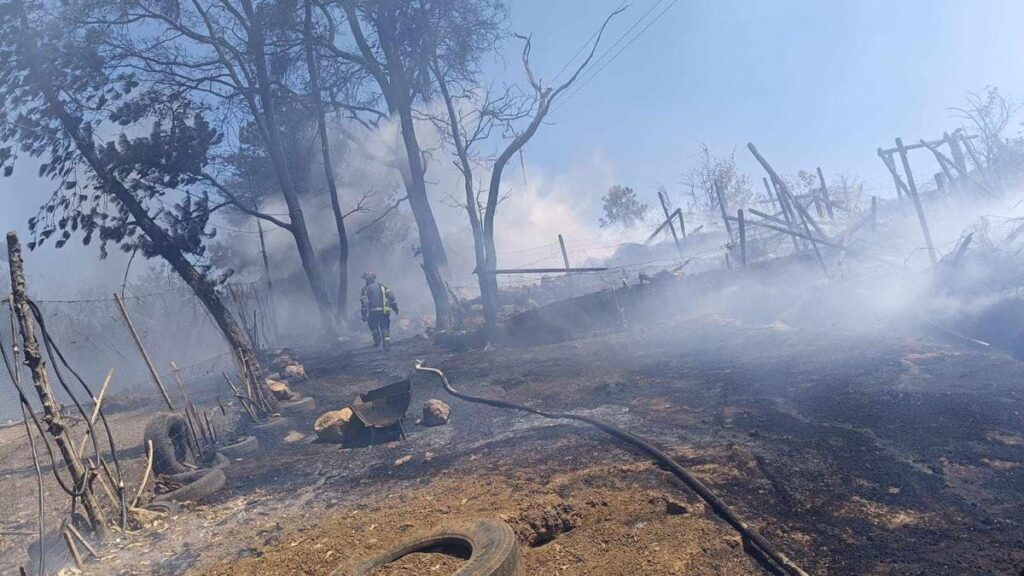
pixel 780 561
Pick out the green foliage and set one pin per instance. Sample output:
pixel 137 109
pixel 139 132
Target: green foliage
pixel 61 56
pixel 622 208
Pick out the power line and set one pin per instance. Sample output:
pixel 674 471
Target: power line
pixel 593 75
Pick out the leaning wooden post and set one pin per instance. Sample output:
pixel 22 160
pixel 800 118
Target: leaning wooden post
pixel 142 349
pixel 725 210
pixel 886 158
pixel 874 213
pixel 825 195
pixel 565 260
pixel 682 224
pixel 916 199
pixel 668 218
pixel 52 416
pixel 743 237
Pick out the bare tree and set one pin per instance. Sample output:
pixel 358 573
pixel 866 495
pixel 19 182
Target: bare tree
pixel 709 171
pixel 394 42
pixel 544 96
pixel 234 56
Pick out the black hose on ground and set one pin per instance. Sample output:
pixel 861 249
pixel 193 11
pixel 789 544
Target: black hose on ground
pixel 750 536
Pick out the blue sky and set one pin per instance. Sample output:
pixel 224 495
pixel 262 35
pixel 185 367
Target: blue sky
pixel 810 82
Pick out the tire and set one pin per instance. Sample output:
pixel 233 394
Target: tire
pixel 297 407
pixel 493 545
pixel 168 507
pixel 169 434
pixel 200 488
pixel 239 448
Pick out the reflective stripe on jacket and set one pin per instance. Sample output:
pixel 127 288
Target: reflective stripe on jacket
pixel 377 297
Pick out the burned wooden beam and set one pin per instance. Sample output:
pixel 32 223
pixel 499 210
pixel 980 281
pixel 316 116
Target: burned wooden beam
pixel 539 270
pixel 917 200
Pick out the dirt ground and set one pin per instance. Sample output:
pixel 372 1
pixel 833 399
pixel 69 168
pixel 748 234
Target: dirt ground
pixel 854 454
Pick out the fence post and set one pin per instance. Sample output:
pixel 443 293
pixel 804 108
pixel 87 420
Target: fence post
pixel 912 187
pixel 743 238
pixel 52 416
pixel 138 342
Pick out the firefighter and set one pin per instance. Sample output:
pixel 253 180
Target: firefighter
pixel 377 302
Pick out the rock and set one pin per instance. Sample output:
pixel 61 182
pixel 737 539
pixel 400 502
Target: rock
pixel 280 390
pixel 334 425
pixel 435 413
pixel 294 373
pixel 403 460
pixel 428 457
pixel 281 361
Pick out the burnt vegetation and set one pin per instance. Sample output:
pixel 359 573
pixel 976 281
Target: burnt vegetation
pixel 751 368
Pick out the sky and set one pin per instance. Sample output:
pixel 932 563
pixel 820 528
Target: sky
pixel 811 83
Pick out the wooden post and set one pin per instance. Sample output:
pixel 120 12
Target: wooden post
pixel 874 213
pixel 725 210
pixel 743 238
pixel 771 196
pixel 916 199
pixel 74 550
pixel 142 349
pixel 52 416
pixel 668 218
pixel 891 166
pixel 785 212
pixel 565 260
pixel 825 195
pixel 784 193
pixel 956 152
pixel 270 284
pixel 682 225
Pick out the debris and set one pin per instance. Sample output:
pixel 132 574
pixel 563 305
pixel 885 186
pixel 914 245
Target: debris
pixel 282 361
pixel 435 413
pixel 403 460
pixel 334 425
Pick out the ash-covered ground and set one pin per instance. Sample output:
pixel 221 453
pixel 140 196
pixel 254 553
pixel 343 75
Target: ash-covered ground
pixel 894 450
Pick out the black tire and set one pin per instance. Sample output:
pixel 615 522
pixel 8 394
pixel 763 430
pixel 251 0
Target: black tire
pixel 168 507
pixel 239 448
pixel 169 434
pixel 493 545
pixel 202 487
pixel 297 407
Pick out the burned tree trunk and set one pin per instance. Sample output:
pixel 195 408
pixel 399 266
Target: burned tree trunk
pixel 325 152
pixel 160 241
pixel 40 379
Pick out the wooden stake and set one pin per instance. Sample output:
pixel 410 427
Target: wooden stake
pixel 725 210
pixel 142 349
pixel 247 407
pixel 96 409
pixel 41 381
pixel 825 195
pixel 874 213
pixel 74 550
pixel 916 200
pixel 901 188
pixel 743 238
pixel 565 260
pixel 78 536
pixel 145 475
pixel 668 218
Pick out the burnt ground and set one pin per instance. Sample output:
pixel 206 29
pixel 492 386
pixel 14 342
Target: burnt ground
pixel 855 453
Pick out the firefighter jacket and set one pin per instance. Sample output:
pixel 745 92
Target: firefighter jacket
pixel 377 297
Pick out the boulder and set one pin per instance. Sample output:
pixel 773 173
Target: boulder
pixel 279 362
pixel 280 390
pixel 435 413
pixel 334 425
pixel 294 373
